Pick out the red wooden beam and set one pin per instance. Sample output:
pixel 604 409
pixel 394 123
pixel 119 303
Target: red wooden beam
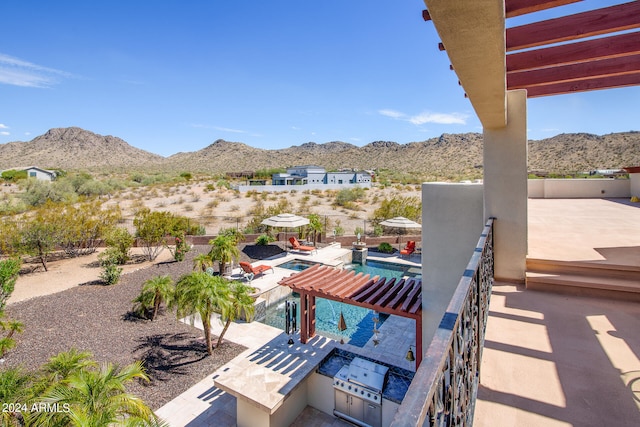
pixel 604 47
pixel 573 72
pixel 521 7
pixel 586 24
pixel 584 85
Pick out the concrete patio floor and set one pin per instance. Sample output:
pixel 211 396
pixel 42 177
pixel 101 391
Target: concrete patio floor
pixel 559 360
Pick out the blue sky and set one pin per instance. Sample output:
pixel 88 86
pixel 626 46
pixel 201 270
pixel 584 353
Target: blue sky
pixel 172 76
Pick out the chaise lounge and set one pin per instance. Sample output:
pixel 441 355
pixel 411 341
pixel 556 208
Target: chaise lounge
pixel 258 269
pixel 409 249
pixel 298 247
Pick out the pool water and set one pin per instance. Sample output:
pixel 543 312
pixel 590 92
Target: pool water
pixel 387 269
pixel 359 320
pixel 298 264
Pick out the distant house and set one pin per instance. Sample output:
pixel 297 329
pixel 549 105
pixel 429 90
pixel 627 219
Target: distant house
pixel 311 175
pixel 36 172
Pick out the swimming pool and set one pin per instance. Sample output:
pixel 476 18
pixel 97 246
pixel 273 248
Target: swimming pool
pixel 387 269
pixel 298 264
pixel 359 320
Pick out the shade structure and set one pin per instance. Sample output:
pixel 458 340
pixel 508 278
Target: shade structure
pixel 400 222
pixel 286 220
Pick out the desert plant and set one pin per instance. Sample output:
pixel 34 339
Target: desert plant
pixel 154 292
pixel 202 294
pixel 264 239
pixel 119 242
pixel 9 269
pixel 224 249
pixel 385 247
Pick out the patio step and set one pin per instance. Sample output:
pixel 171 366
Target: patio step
pixel 584 278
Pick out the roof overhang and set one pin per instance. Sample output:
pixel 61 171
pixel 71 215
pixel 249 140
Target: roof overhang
pixel 591 50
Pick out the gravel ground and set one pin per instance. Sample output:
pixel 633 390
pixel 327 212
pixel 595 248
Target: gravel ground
pixel 98 319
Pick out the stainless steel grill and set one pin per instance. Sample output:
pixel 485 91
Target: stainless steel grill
pixel 358 392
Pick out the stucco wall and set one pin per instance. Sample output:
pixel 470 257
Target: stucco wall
pixel 578 188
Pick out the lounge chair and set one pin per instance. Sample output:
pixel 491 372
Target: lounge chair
pixel 298 247
pixel 258 269
pixel 409 249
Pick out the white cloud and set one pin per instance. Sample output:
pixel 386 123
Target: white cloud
pixel 427 117
pixel 3 126
pixel 5 133
pixel 229 130
pixel 16 72
pixel 439 118
pixel 392 113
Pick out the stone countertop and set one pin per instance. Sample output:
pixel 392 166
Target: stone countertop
pixel 265 377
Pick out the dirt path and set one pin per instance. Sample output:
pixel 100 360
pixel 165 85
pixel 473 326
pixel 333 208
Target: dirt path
pixel 67 273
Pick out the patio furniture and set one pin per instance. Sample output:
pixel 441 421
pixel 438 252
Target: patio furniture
pixel 255 271
pixel 298 247
pixel 409 249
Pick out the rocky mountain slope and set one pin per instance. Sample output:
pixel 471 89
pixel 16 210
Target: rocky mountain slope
pixel 75 148
pixel 447 155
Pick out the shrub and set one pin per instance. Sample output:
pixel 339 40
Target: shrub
pixel 385 247
pixel 264 239
pixel 111 273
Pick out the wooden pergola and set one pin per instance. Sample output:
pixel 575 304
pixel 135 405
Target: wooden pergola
pixel 402 297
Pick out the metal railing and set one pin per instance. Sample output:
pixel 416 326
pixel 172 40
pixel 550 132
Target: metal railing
pixel 444 389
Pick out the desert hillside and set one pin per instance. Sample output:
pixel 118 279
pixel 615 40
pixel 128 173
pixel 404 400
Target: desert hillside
pixel 446 156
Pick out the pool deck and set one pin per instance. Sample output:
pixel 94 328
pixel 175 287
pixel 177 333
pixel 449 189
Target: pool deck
pixel 268 371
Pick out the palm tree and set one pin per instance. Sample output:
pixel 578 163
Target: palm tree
pixel 201 262
pixel 202 294
pixel 62 365
pixel 97 397
pixel 224 250
pixel 7 342
pixel 242 305
pixel 315 225
pixel 14 388
pixel 154 292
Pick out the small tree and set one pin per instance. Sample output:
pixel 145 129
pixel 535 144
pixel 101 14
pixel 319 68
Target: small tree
pixel 315 226
pixel 120 242
pixel 154 292
pixel 224 250
pixel 242 306
pixel 40 234
pixel 202 294
pixel 201 262
pixel 9 270
pixel 152 229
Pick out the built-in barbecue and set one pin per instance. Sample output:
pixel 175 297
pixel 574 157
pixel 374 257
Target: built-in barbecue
pixel 358 392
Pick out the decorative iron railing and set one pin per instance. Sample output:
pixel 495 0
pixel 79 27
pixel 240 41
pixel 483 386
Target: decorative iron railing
pixel 444 388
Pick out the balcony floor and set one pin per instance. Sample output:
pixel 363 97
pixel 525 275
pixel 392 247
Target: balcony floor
pixel 560 360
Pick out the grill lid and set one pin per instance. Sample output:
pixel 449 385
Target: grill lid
pixel 367 374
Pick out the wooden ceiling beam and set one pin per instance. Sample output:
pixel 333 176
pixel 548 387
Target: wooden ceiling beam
pixel 571 27
pixel 585 85
pixel 574 72
pixel 522 7
pixel 601 48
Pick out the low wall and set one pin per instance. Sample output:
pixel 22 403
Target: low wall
pixel 578 188
pixel 322 187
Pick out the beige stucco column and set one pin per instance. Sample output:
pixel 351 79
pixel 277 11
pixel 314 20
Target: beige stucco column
pixel 505 188
pixel 452 222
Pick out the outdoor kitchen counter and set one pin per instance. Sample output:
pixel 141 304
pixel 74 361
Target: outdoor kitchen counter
pixel 264 380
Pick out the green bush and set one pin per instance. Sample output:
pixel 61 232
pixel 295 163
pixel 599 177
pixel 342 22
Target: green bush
pixel 110 272
pixel 385 247
pixel 264 239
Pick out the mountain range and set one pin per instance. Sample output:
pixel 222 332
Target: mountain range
pixel 448 155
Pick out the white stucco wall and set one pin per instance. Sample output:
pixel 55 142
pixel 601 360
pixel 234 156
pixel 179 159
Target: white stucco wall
pixel 452 221
pixel 551 188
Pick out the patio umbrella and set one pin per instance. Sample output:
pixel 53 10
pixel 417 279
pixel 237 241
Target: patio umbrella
pixel 285 220
pixel 400 222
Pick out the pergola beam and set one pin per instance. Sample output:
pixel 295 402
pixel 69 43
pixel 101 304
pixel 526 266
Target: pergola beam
pixel 569 73
pixel 522 7
pixel 584 85
pixel 572 27
pixel 600 48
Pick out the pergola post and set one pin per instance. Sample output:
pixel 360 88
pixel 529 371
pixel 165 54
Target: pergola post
pixel 304 314
pixel 418 341
pixel 312 315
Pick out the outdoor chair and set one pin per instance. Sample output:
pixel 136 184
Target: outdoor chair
pixel 298 247
pixel 409 249
pixel 258 269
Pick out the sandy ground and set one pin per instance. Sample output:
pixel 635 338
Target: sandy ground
pixel 70 272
